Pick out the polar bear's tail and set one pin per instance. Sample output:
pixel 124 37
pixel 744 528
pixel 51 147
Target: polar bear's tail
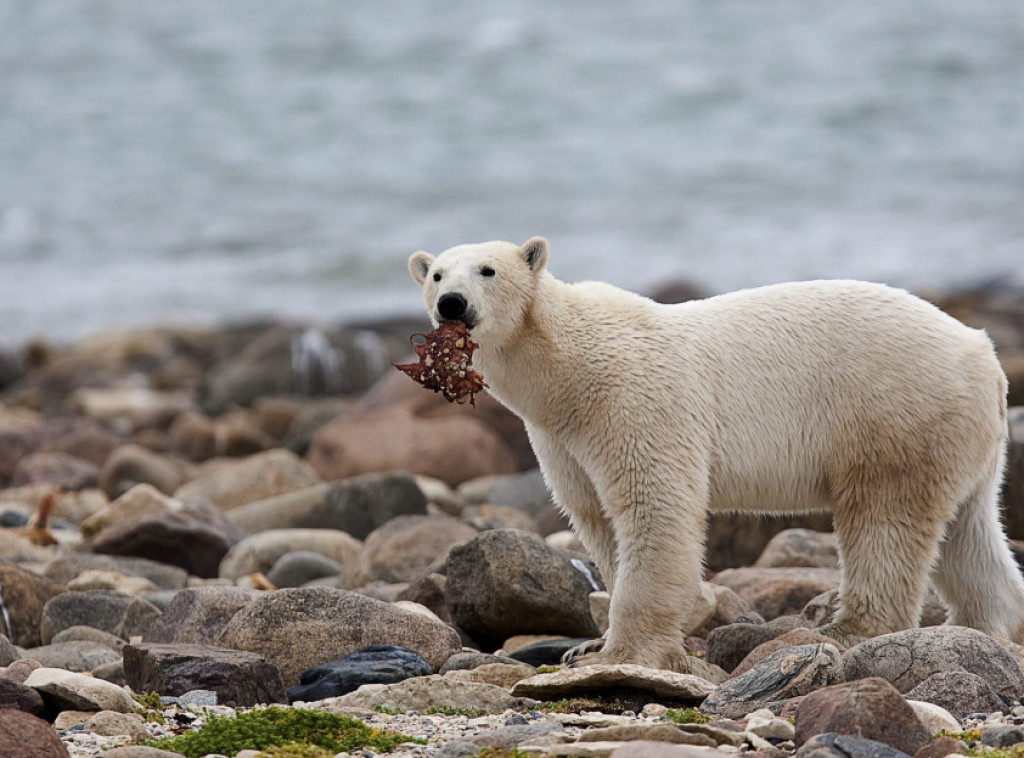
pixel 976 573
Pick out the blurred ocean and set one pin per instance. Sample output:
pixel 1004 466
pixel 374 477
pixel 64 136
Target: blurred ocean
pixel 198 161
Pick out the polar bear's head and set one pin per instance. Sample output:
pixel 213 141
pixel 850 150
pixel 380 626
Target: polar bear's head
pixel 488 286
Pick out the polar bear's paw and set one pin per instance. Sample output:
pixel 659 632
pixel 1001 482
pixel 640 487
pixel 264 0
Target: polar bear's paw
pixel 575 656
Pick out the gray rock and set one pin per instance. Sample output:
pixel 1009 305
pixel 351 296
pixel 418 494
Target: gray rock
pixel 198 615
pixel 506 582
pixel 121 615
pixel 130 465
pixel 8 653
pixel 800 547
pixel 240 679
pixel 832 745
pixel 728 645
pixel 423 692
pixel 1002 736
pixel 959 692
pixel 528 493
pixel 198 699
pixel 376 664
pixel 90 634
pixel 510 737
pixel 870 708
pixel 259 552
pixel 74 655
pixel 296 568
pixel 589 679
pixel 111 672
pixel 774 592
pixel 788 673
pixel 164 576
pixel 112 724
pixel 230 483
pixel 404 548
pixel 297 629
pixel 356 505
pixel 907 658
pixel 139 751
pixel 67 690
pixel 59 469
pixel 466 661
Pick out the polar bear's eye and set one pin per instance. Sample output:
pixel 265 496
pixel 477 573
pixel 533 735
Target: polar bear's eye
pixel 437 277
pixel 487 271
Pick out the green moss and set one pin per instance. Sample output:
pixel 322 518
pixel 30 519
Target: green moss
pixel 500 752
pixel 447 710
pixel 1017 751
pixel 150 706
pixel 548 669
pixel 278 727
pixel 390 711
pixel 686 716
pixel 575 705
pixel 295 750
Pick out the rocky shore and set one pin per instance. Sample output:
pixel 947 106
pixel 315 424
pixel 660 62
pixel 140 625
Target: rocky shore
pixel 265 522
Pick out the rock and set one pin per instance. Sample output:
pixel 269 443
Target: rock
pixel 74 655
pixel 934 718
pixel 59 469
pixel 590 679
pixel 788 673
pixel 789 639
pixel 666 733
pixel 8 652
pixel 406 546
pixel 648 749
pixel 423 692
pixel 18 696
pixel 509 737
pixel 489 516
pixel 23 735
pixel 870 708
pixel 16 548
pixel 95 579
pixel 730 608
pixel 24 596
pixel 1006 735
pixel 505 582
pixel 527 492
pixel 66 690
pixel 357 505
pixel 296 629
pixel 500 674
pixel 774 592
pixel 230 483
pixel 139 751
pixel 470 660
pixel 452 448
pixel 198 615
pixel 240 679
pixel 111 672
pixel 296 568
pixel 259 552
pixel 20 669
pixel 140 500
pixel 959 692
pixel 376 664
pixel 832 745
pixel 131 465
pixel 907 658
pixel 71 565
pixel 728 645
pixel 547 651
pixel 941 747
pixel 121 615
pixel 428 591
pixel 440 496
pixel 800 547
pixel 738 539
pixel 113 724
pixel 1013 486
pixel 89 634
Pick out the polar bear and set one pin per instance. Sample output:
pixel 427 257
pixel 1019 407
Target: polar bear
pixel 838 395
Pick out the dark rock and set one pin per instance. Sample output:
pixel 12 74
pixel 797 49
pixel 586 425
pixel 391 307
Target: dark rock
pixel 297 629
pixel 69 566
pixel 74 655
pixel 8 652
pixel 404 548
pixel 907 658
pixel 728 645
pixel 23 735
pixel 18 696
pixel 59 469
pixel 800 547
pixel 870 708
pixel 959 692
pixel 547 652
pixel 357 505
pixel 296 568
pixel 832 745
pixel 1002 736
pixel 466 661
pixel 1013 487
pixel 782 675
pixel 111 672
pixel 506 582
pixel 198 615
pixel 259 552
pixel 240 679
pixel 24 595
pixel 121 615
pixel 528 493
pixel 196 538
pixel 940 747
pixel 376 664
pixel 738 539
pixel 428 591
pixel 774 592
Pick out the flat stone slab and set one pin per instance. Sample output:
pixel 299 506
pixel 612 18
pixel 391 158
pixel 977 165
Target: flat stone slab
pixel 586 679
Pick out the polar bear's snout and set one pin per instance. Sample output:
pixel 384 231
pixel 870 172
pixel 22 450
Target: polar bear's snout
pixel 452 306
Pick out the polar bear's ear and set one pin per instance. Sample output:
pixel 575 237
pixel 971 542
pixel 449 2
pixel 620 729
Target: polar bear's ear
pixel 535 253
pixel 419 264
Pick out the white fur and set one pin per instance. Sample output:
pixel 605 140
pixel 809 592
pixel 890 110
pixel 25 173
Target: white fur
pixel 843 395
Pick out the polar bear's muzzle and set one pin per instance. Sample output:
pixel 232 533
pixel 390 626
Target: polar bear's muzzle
pixel 452 306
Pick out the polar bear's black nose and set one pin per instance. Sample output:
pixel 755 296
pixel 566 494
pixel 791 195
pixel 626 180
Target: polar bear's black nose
pixel 452 306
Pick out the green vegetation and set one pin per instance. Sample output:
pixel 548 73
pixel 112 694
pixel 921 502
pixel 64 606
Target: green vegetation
pixel 295 750
pixel 686 716
pixel 389 711
pixel 978 751
pixel 575 705
pixel 151 707
pixel 548 669
pixel 286 729
pixel 499 752
pixel 447 710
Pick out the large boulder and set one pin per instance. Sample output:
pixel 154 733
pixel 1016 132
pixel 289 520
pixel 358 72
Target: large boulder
pixel 297 629
pixel 66 690
pixel 198 615
pixel 23 735
pixel 505 582
pixel 121 615
pixel 405 547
